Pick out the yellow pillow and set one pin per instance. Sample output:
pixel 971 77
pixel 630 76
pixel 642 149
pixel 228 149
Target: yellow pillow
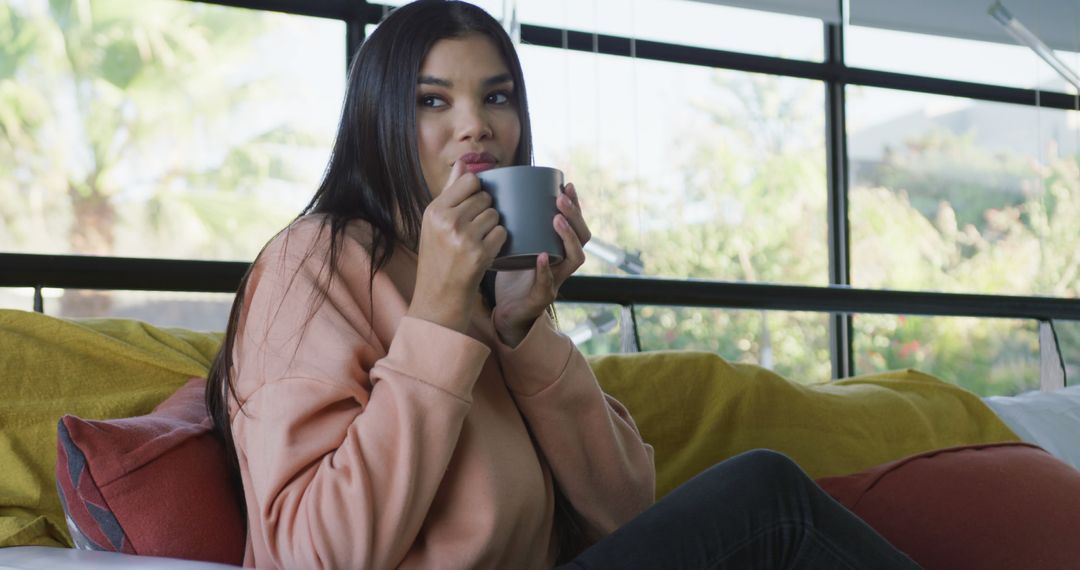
pixel 697 409
pixel 96 369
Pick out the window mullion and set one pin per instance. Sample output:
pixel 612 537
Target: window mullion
pixel 839 240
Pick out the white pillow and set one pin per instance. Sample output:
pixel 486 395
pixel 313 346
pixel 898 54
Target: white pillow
pixel 1050 420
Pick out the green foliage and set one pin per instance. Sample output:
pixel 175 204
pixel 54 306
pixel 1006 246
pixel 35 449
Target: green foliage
pixel 942 166
pixel 988 356
pixel 91 156
pixel 111 103
pixel 941 214
pixel 1019 238
pixel 761 160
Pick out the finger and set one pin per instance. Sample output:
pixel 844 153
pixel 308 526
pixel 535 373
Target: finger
pixel 456 171
pixel 543 289
pixel 494 241
pixel 573 214
pixel 464 185
pixel 571 191
pixel 474 205
pixel 484 223
pixel 575 253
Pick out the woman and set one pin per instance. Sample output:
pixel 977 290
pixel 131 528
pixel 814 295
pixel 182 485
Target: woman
pixel 391 406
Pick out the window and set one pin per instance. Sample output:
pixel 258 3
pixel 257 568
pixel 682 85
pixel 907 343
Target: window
pixel 707 173
pixel 159 127
pixel 991 357
pixel 209 122
pixel 731 29
pixel 959 195
pixel 1068 336
pixel 794 344
pixel 196 311
pixel 952 58
pixel 21 298
pixel 595 328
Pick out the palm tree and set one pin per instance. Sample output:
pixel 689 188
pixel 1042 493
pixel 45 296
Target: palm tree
pixel 106 102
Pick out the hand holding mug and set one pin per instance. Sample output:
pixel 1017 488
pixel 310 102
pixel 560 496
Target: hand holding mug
pixel 521 296
pixel 460 236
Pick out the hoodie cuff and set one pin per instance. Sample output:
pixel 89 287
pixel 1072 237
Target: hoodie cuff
pixel 433 354
pixel 538 360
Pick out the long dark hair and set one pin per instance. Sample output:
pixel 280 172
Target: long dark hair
pixel 374 171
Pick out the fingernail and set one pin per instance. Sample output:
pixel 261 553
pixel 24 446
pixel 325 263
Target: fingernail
pixel 561 222
pixel 570 190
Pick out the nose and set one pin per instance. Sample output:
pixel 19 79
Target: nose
pixel 473 123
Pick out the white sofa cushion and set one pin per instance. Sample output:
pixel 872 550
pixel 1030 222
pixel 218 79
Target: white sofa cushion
pixel 1050 420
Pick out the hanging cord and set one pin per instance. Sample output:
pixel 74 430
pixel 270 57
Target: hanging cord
pixel 566 84
pixel 1052 371
pixel 596 94
pixel 630 309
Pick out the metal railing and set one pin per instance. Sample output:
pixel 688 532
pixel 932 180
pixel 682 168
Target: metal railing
pixel 139 274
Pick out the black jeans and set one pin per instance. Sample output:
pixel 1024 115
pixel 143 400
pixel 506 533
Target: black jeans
pixel 755 510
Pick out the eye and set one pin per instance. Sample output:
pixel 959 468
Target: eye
pixel 432 101
pixel 498 98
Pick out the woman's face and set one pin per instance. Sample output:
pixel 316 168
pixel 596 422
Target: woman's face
pixel 465 109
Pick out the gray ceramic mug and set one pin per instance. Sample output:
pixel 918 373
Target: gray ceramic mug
pixel 525 197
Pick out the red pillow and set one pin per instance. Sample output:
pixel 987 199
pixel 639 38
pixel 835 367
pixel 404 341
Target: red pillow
pixel 1005 506
pixel 156 485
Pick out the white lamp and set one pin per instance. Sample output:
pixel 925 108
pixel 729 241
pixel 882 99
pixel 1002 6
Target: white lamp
pixel 1026 37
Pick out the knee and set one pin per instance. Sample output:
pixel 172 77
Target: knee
pixel 757 471
pixel 756 481
pixel 766 463
pixel 766 472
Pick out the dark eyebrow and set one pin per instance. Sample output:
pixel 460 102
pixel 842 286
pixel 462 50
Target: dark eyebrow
pixel 493 80
pixel 429 80
pixel 497 79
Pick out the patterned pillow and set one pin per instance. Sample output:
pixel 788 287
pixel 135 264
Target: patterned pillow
pixel 155 485
pixel 92 525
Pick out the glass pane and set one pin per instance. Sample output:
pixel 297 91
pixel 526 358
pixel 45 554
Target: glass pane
pixel 196 311
pixel 959 195
pixel 21 298
pixel 595 328
pixel 952 58
pixel 161 128
pixel 680 22
pixel 1068 335
pixel 706 173
pixel 991 357
pixel 793 344
pixel 713 26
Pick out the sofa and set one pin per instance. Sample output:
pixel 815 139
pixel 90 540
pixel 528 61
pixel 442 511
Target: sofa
pixel 103 438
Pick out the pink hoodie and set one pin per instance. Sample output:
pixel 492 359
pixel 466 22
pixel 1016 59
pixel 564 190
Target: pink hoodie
pixel 369 439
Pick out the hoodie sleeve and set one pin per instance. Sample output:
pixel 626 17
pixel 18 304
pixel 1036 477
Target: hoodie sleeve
pixel 589 439
pixel 342 445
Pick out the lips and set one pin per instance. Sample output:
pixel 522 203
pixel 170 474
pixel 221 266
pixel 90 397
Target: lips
pixel 478 161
